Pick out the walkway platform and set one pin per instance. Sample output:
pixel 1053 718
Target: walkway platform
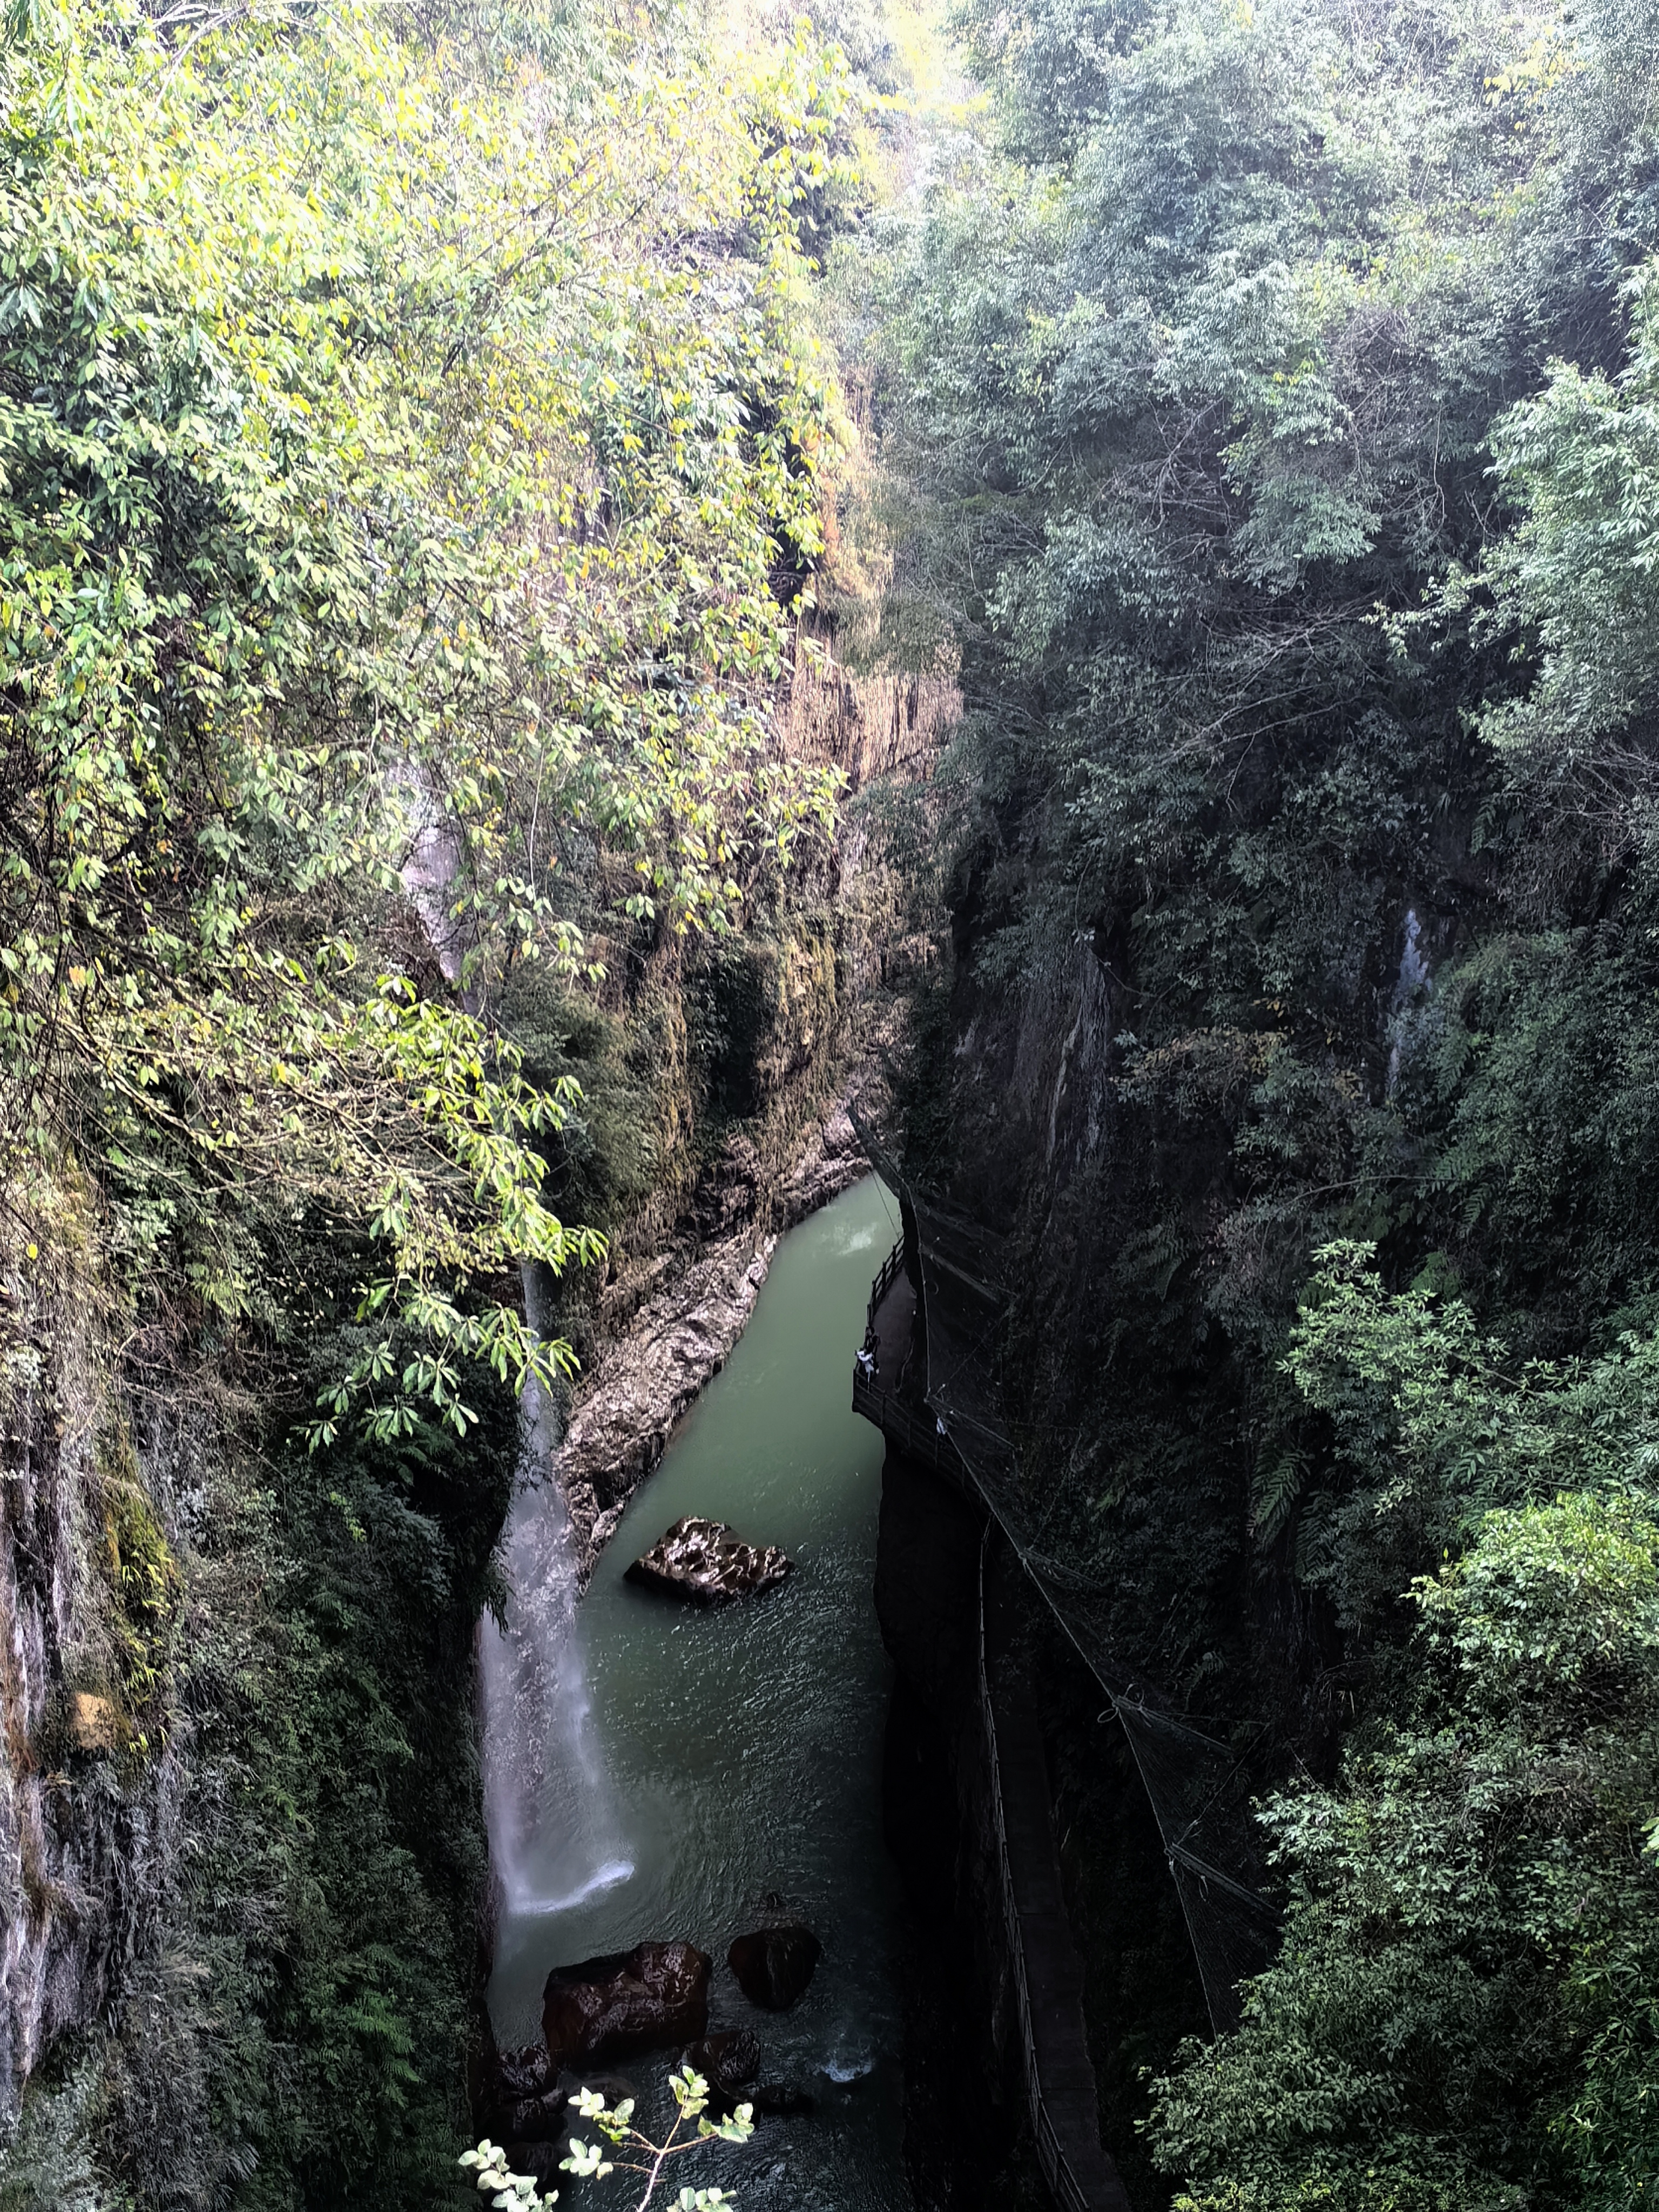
pixel 1065 2099
pixel 1048 1973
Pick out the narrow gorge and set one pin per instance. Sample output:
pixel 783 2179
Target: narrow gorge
pixel 828 1181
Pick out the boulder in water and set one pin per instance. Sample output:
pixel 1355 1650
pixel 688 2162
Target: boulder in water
pixel 513 2084
pixel 774 1965
pixel 725 2061
pixel 536 2119
pixel 631 2000
pixel 708 1564
pixel 523 2070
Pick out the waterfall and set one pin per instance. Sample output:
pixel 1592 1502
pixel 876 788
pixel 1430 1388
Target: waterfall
pixel 1414 977
pixel 1414 982
pixel 548 1802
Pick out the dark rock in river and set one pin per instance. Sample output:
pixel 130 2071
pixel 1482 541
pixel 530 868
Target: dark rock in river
pixel 782 2101
pixel 727 2060
pixel 774 1965
pixel 536 2119
pixel 516 2083
pixel 631 2000
pixel 708 1564
pixel 523 2070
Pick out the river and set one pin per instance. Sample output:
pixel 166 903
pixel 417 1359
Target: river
pixel 655 1772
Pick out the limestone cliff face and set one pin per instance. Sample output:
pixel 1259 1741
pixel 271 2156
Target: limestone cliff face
pixel 90 1789
pixel 715 1085
pixel 640 1380
pixel 1032 1096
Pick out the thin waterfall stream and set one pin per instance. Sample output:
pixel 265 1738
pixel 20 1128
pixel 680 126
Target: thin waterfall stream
pixel 657 1771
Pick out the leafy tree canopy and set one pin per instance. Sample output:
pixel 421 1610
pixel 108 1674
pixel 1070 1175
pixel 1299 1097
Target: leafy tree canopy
pixel 403 431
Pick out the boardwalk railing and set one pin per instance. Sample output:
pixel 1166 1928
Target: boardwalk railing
pixel 889 1273
pixel 915 1433
pixel 922 1436
pixel 1068 2191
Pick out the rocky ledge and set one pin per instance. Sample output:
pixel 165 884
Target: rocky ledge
pixel 643 1379
pixel 706 1563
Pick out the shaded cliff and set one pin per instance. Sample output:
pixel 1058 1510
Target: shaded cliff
pixel 242 1845
pixel 1294 1026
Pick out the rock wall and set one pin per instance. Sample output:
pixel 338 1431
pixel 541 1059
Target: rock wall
pixel 967 2136
pixel 90 1792
pixel 194 1618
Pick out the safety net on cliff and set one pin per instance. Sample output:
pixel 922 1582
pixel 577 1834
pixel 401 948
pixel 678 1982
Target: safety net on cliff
pixel 1199 1789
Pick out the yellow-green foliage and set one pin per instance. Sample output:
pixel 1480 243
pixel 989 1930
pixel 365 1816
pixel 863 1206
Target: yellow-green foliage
pixel 143 1576
pixel 402 432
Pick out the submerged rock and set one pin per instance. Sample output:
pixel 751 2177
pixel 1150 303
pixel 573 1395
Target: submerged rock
pixel 708 1564
pixel 536 2119
pixel 774 1965
pixel 630 2000
pixel 727 2060
pixel 783 2101
pixel 521 2102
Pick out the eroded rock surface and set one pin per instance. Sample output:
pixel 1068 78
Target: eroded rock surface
pixel 774 1966
pixel 536 2119
pixel 645 1999
pixel 706 1563
pixel 680 1315
pixel 523 2070
pixel 727 2061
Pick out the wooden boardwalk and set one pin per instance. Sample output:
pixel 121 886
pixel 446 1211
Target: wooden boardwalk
pixel 1065 2101
pixel 1048 1973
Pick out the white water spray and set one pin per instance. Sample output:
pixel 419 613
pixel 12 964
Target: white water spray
pixel 1415 981
pixel 1414 975
pixel 548 1801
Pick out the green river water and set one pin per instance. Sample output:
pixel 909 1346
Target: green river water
pixel 673 1767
